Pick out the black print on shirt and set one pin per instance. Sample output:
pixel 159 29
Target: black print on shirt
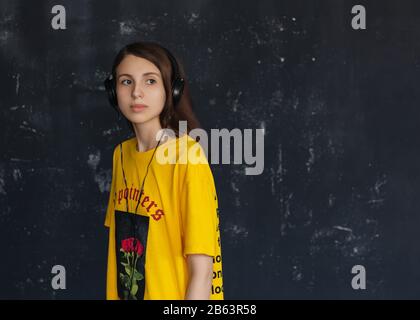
pixel 130 244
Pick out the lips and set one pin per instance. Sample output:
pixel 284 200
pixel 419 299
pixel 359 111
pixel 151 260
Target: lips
pixel 138 107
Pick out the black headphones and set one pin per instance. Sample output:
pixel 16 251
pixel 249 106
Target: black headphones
pixel 177 84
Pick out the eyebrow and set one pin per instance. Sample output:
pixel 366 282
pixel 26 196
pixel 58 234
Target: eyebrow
pixel 144 74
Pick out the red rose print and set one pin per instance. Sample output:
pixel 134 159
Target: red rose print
pixel 139 248
pixel 132 249
pixel 126 245
pixel 132 245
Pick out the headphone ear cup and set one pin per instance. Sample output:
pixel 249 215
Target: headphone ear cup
pixel 112 96
pixel 177 89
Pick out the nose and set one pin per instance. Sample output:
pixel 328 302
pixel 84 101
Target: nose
pixel 137 91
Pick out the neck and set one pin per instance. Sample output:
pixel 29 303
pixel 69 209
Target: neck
pixel 146 134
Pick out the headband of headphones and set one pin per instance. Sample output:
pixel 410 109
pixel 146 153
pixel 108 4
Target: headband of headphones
pixel 177 83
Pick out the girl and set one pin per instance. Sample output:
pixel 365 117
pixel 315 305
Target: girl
pixel 164 239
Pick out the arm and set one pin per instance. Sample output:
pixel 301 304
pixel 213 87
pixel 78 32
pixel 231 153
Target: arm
pixel 200 269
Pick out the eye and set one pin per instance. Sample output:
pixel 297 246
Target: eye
pixel 126 81
pixel 154 81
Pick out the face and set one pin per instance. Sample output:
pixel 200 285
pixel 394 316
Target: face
pixel 140 90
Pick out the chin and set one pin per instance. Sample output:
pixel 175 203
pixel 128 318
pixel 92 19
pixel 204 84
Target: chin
pixel 136 120
pixel 139 119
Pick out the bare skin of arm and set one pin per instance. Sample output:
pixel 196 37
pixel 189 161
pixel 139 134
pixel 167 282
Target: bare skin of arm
pixel 200 269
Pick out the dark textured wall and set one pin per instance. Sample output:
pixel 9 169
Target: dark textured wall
pixel 340 110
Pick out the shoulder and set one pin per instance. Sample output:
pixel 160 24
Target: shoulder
pixel 121 146
pixel 193 151
pixel 197 165
pixel 127 143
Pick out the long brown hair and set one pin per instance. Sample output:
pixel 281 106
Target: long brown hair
pixel 170 116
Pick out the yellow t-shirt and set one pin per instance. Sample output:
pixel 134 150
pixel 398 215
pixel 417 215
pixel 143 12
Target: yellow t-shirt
pixel 177 215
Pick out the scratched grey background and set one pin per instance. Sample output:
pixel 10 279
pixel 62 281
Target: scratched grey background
pixel 341 113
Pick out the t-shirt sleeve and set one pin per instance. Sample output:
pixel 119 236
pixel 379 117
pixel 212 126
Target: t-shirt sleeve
pixel 111 199
pixel 199 211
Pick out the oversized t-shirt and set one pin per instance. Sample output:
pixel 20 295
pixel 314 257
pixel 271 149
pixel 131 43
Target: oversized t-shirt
pixel 177 215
